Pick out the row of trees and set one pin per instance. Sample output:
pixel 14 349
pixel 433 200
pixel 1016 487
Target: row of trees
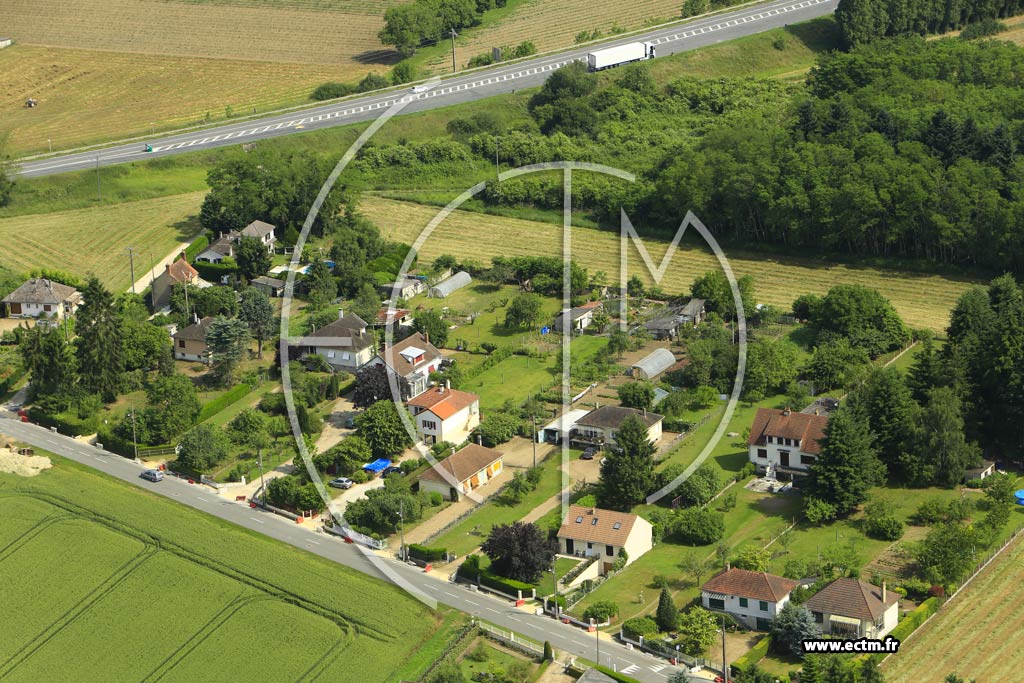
pixel 863 21
pixel 411 25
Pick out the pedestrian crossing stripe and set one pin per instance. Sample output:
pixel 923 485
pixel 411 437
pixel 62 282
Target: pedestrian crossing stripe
pixel 630 669
pixel 657 668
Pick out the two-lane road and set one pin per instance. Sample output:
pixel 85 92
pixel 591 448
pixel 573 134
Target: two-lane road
pixel 463 88
pixel 563 638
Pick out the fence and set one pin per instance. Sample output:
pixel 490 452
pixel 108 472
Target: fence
pixel 669 652
pixel 154 451
pixel 664 450
pixel 356 537
pixel 453 647
pixel 508 639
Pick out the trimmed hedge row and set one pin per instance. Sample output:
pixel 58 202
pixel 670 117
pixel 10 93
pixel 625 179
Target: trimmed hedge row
pixel 426 553
pixel 615 675
pixel 753 655
pixel 914 619
pixel 198 244
pixel 499 583
pixel 65 424
pixel 212 272
pixel 223 401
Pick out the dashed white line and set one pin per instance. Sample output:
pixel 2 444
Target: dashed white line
pixel 257 520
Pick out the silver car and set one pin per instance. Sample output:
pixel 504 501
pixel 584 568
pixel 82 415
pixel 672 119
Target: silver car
pixel 152 475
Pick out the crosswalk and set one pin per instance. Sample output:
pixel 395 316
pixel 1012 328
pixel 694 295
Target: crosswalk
pixel 633 668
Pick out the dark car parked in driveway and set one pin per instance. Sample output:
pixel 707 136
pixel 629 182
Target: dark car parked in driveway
pixel 394 469
pixel 589 453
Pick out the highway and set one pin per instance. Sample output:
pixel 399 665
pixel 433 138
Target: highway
pixel 502 613
pixel 467 87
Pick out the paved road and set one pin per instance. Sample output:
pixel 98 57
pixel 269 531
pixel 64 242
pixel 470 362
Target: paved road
pixel 499 612
pixel 455 90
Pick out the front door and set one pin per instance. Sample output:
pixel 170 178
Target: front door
pixel 784 458
pixel 569 550
pixel 15 309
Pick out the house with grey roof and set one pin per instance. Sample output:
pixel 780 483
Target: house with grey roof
pixel 599 427
pixel 666 322
pixel 264 232
pixel 271 286
pixel 190 342
pixel 576 319
pixel 344 343
pixel 42 298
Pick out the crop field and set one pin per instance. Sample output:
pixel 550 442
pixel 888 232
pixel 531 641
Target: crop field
pixel 112 68
pixel 975 635
pixel 118 584
pixel 89 95
pixel 924 300
pixel 87 241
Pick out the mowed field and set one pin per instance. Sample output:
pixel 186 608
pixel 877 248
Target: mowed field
pixel 94 241
pixel 976 635
pixel 922 300
pixel 116 584
pixel 114 67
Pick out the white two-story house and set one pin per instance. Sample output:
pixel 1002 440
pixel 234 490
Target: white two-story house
pixel 589 532
pixel 445 414
pixel 755 598
pixel 413 359
pixel 785 444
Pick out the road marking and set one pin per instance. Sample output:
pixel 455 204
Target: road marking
pixel 473 603
pixel 630 669
pixel 514 619
pixel 256 520
pixel 657 668
pixel 202 499
pixel 313 542
pixel 430 587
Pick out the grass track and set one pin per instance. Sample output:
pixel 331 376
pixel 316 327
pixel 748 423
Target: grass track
pixel 85 241
pixel 924 300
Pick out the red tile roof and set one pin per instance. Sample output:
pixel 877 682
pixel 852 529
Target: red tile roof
pixel 747 584
pixel 181 271
pixel 596 525
pixel 807 429
pixel 444 402
pixel 852 598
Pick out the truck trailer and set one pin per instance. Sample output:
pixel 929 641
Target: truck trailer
pixel 620 54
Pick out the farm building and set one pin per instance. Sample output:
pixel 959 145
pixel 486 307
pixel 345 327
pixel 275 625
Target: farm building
pixel 598 427
pixel 5 42
pixel 577 319
pixel 784 443
pixel 190 342
pixel 42 298
pixel 270 286
pixel 471 467
pixel 755 598
pixel 653 364
pixel 445 288
pixel 983 471
pixel 559 429
pixel 665 323
pixel 589 531
pixel 406 288
pixel 851 608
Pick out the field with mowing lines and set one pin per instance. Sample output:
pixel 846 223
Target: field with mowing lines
pixel 114 583
pixel 975 635
pixel 924 300
pixel 90 95
pixel 84 241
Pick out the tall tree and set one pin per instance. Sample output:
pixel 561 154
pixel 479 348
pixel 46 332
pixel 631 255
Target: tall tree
pixel 627 472
pixel 925 372
pixel 941 453
pixel 172 407
pixel 383 429
pixel 226 338
pixel 847 466
pixel 100 357
pixel 519 551
pixel 884 401
pixel 667 615
pixel 252 257
pixel 524 311
pixel 50 361
pixel 792 626
pixel 372 385
pixel 256 311
pixel 202 448
pixel 431 323
pixel 367 302
pixel 639 395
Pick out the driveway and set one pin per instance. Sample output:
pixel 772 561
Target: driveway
pixel 334 425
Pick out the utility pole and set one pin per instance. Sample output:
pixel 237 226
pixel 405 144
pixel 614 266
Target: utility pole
pixel 534 440
pixel 597 639
pixel 263 488
pixel 135 439
pixel 725 665
pixel 152 269
pixel 131 265
pixel 452 33
pixel 50 143
pixel 555 577
pixel 98 176
pixel 401 518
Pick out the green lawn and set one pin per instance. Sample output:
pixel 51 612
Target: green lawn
pixel 546 585
pixel 514 378
pixel 135 551
pixel 497 659
pixel 473 530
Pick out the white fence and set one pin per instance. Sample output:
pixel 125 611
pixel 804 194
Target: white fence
pixel 356 537
pixel 508 638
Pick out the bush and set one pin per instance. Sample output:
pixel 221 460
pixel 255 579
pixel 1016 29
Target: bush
pixel 639 626
pixel 213 272
pixel 884 527
pixel 818 511
pixel 224 400
pixel 699 526
pixel 602 610
pixel 914 619
pixel 753 655
pixel 331 90
pixel 425 553
pixel 66 423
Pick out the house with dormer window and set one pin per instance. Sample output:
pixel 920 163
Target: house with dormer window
pixel 785 444
pixel 589 531
pixel 413 359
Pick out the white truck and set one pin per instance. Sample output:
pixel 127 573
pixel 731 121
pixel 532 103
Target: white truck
pixel 620 54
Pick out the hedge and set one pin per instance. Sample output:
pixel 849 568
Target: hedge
pixel 223 401
pixel 753 655
pixel 615 675
pixel 65 424
pixel 639 626
pixel 212 272
pixel 499 583
pixel 198 244
pixel 115 444
pixel 914 619
pixel 427 554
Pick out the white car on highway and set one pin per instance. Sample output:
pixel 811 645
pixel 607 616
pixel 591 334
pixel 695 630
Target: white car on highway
pixel 417 89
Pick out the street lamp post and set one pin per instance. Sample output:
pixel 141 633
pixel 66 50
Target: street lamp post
pixel 135 439
pixel 554 576
pixel 725 665
pixel 401 519
pixel 534 441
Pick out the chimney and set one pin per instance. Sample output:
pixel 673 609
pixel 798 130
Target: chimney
pixel 479 440
pixel 786 411
pixel 645 412
pixel 341 313
pixel 448 384
pixel 426 337
pixel 883 591
pixel 167 267
pixel 441 388
pixel 728 566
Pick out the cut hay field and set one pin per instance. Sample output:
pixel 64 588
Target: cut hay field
pixel 94 241
pixel 114 583
pixel 924 300
pixel 975 635
pixel 112 68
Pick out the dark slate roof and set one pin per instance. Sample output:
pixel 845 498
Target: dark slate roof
pixel 195 331
pixel 613 416
pixel 268 281
pixel 39 290
pixel 257 229
pixel 349 331
pixel 692 308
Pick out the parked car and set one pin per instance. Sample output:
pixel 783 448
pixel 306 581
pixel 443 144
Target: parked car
pixel 394 469
pixel 341 483
pixel 589 453
pixel 350 422
pixel 152 475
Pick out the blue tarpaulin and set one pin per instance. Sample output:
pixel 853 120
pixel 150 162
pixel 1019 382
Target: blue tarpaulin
pixel 377 466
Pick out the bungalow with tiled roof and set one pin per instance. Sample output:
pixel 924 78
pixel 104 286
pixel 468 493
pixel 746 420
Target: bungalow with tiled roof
pixel 471 468
pixel 599 426
pixel 851 608
pixel 42 298
pixel 445 414
pixel 178 273
pixel 589 531
pixel 190 342
pixel 755 598
pixel 784 444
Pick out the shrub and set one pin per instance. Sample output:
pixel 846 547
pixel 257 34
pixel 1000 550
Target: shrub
pixel 549 652
pixel 425 553
pixel 699 526
pixel 480 653
pixel 884 527
pixel 818 511
pixel 602 610
pixel 639 626
pixel 331 90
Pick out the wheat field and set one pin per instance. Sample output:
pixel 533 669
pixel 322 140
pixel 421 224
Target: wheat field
pixel 922 300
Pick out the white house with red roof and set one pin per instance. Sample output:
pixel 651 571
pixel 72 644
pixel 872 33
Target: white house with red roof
pixel 755 598
pixel 445 414
pixel 785 444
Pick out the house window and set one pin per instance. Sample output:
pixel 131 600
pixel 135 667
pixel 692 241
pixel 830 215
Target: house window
pixel 716 603
pixel 47 307
pixel 429 424
pixel 590 546
pixel 807 459
pixel 762 605
pixel 819 618
pixel 617 526
pixel 330 354
pixel 743 602
pixel 579 520
pixel 593 522
pixel 768 439
pixel 762 453
pixel 609 550
pixel 181 343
